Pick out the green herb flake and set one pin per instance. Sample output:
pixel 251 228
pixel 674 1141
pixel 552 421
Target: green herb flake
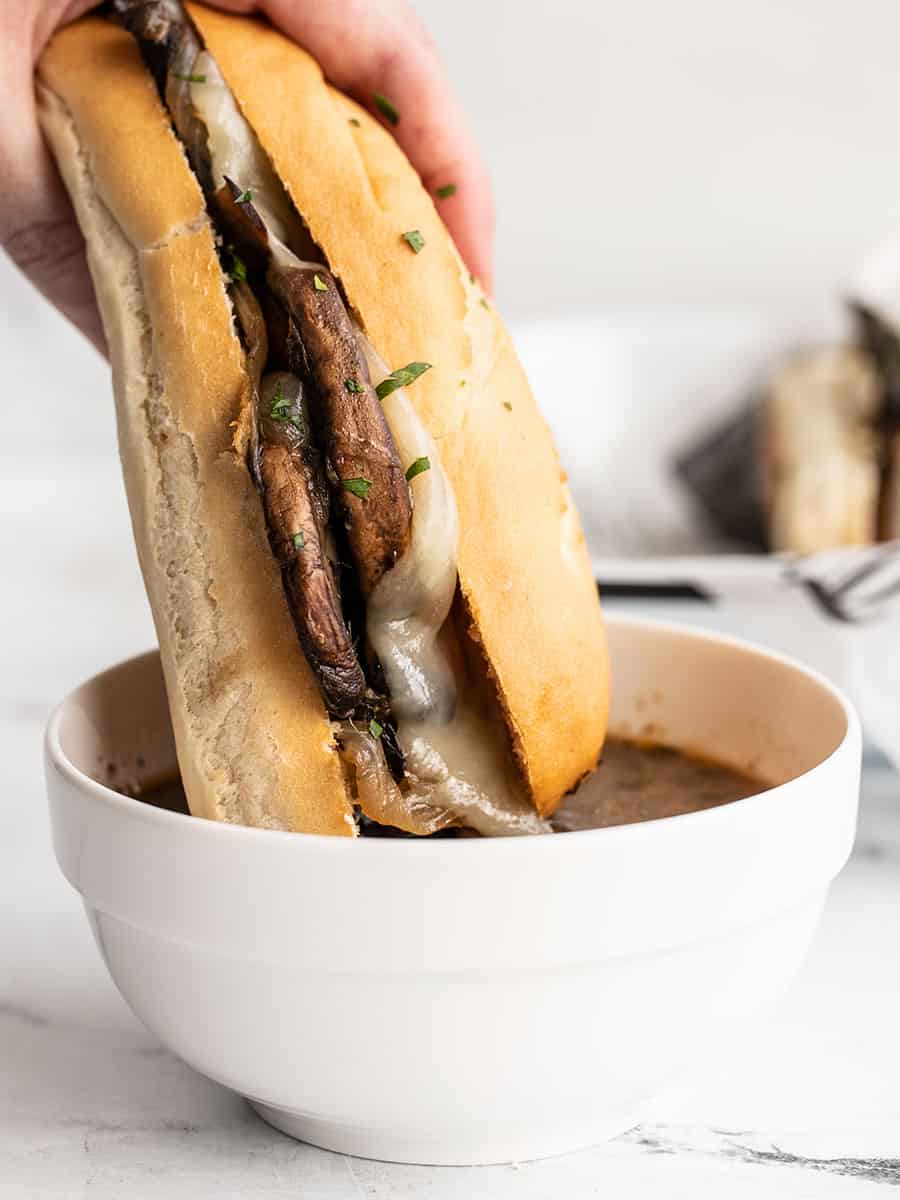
pixel 375 728
pixel 245 197
pixel 357 487
pixel 355 121
pixel 189 78
pixel 319 283
pixel 353 386
pixel 386 108
pixel 238 268
pixel 471 277
pixel 299 540
pixel 281 405
pixel 462 383
pixel 414 240
pixel 402 377
pixel 484 303
pixel 443 193
pixel 417 467
pixel 507 406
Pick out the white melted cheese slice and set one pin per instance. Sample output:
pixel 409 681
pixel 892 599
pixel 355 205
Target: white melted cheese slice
pixel 235 154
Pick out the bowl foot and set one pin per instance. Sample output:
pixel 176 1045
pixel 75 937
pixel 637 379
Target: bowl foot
pixel 453 1148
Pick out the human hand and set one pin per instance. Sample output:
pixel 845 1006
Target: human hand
pixel 365 47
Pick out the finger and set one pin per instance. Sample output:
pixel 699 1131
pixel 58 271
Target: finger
pixel 38 229
pixel 39 232
pixel 379 47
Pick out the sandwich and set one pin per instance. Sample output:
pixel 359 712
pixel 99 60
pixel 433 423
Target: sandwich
pixel 372 595
pixel 821 451
pixel 814 464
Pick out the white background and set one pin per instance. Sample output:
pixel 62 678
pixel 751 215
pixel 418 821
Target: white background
pixel 703 151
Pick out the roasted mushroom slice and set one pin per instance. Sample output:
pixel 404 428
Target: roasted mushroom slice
pixel 295 503
pixel 362 464
pixel 160 26
pixel 253 329
pixel 170 47
pixel 237 213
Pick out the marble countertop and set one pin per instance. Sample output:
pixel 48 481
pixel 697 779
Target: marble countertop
pixel 92 1106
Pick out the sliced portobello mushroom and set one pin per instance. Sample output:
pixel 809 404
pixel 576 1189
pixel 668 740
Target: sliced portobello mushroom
pixel 362 465
pixel 236 213
pixel 170 46
pixel 296 503
pixel 312 335
pixel 252 325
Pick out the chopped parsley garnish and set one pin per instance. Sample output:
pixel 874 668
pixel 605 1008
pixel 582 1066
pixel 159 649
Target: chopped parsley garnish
pixel 189 78
pixel 319 283
pixel 386 108
pixel 402 377
pixel 449 189
pixel 484 303
pixel 357 487
pixel 281 405
pixel 417 467
pixel 299 540
pixel 355 121
pixel 414 240
pixel 245 197
pixel 353 386
pixel 375 728
pixel 507 406
pixel 238 268
pixel 471 277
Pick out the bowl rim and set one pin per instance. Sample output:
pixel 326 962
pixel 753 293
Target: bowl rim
pixel 133 808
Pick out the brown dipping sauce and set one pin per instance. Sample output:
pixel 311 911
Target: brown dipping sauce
pixel 634 782
pixel 169 795
pixel 637 781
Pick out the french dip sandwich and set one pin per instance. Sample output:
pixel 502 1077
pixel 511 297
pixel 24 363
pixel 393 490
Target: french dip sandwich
pixel 823 452
pixel 371 591
pixel 831 443
pixel 814 463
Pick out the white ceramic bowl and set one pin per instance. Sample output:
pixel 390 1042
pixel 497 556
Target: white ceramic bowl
pixel 467 1001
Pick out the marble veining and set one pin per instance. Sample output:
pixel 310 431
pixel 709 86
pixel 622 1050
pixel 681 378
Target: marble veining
pixel 661 1139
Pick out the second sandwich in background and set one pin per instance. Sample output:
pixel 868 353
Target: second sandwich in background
pixel 814 463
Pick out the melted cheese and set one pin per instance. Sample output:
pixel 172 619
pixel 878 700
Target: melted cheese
pixel 235 154
pixel 458 763
pixel 456 755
